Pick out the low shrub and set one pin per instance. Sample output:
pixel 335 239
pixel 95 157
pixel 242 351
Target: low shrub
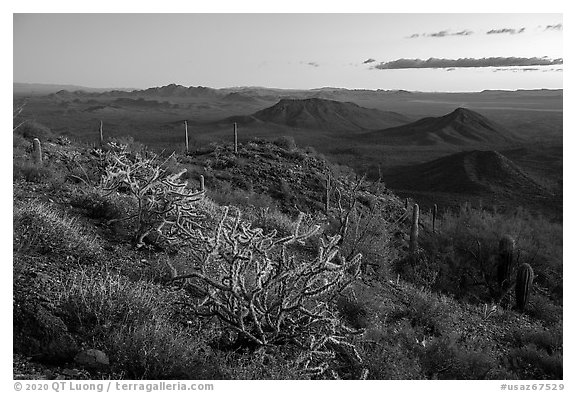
pixel 392 352
pixel 31 172
pixel 543 309
pixel 95 301
pixel 131 322
pixel 160 350
pixel 428 312
pixel 271 219
pixel 100 207
pixel 226 195
pixel 547 339
pixel 269 364
pixel 285 142
pixel 443 358
pixel 32 129
pixel 353 312
pixel 40 228
pixel 530 362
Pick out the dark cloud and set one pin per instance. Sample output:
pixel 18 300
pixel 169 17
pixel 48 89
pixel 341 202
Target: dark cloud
pixel 310 63
pixel 467 62
pixel 559 26
pixel 506 31
pixel 442 34
pixel 369 61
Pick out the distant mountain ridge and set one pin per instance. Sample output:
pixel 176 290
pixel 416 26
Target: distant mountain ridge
pixel 48 88
pixel 174 90
pixel 461 127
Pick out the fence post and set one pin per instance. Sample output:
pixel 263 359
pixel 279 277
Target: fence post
pixel 414 232
pixel 327 201
pixel 235 138
pixel 101 133
pixel 186 130
pixel 434 216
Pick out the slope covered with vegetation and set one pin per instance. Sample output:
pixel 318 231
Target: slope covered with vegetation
pixel 232 265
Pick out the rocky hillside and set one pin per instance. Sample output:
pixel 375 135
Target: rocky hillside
pixel 101 292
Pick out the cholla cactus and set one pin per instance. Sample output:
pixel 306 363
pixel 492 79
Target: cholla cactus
pixel 269 297
pixel 165 203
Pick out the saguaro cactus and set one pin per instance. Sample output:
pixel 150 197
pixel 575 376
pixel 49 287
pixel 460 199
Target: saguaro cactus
pixel 202 183
pixel 235 138
pixel 524 279
pixel 506 249
pixel 434 216
pixel 414 231
pixel 406 203
pixel 37 151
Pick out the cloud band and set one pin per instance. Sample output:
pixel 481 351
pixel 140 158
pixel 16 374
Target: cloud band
pixel 467 62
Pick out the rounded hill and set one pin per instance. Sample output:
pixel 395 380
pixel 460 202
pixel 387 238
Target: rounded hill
pixel 469 172
pixel 321 114
pixel 461 127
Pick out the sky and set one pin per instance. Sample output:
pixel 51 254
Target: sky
pixel 423 52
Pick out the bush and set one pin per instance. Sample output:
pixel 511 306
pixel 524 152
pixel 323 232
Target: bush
pixel 529 362
pixel 130 321
pixel 100 207
pixel 543 309
pixel 31 129
pixel 31 172
pixel 353 312
pixel 96 300
pixel 266 364
pixel 392 352
pixel 549 340
pixel 229 195
pixel 160 350
pixel 444 359
pixel 40 228
pixel 365 216
pixel 285 142
pixel 271 219
pixel 20 144
pixel 429 312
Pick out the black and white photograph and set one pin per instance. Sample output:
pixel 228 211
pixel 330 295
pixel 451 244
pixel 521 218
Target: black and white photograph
pixel 201 197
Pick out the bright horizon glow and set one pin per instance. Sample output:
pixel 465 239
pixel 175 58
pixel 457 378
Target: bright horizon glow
pixel 286 51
